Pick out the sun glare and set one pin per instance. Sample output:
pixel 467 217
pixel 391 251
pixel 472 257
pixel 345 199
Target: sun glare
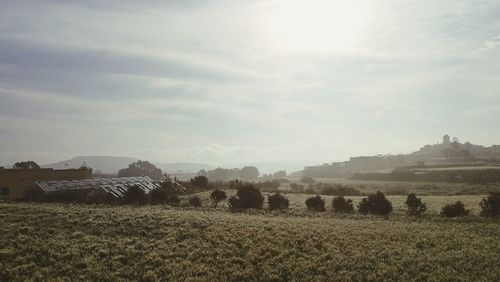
pixel 315 26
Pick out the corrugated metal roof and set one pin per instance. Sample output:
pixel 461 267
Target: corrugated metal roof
pixel 116 186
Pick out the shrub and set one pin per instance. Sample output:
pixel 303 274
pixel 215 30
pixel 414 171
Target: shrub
pixel 173 199
pixel 134 195
pixel 158 196
pixel 490 206
pixel 234 203
pixel 249 197
pixel 315 204
pixel 341 205
pixel 415 205
pixel 217 196
pixel 99 197
pixel 277 202
pixel 375 204
pixel 454 210
pixel 195 201
pixel 199 181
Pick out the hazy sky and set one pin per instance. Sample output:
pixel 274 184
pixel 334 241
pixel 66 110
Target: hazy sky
pixel 245 81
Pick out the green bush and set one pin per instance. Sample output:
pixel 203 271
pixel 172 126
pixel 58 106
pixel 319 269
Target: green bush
pixel 217 196
pixel 415 205
pixel 277 202
pixel 315 204
pixel 159 196
pixel 454 210
pixel 341 205
pixel 249 197
pixel 490 206
pixel 134 195
pixel 375 204
pixel 200 181
pixel 195 201
pixel 99 197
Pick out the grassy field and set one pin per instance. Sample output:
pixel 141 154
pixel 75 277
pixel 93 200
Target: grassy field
pixel 78 242
pixel 405 187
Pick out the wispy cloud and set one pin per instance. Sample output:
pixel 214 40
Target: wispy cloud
pixel 166 80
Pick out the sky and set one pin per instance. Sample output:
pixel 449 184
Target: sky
pixel 229 81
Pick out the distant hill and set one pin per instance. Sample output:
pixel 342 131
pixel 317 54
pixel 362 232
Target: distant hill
pixel 106 164
pixel 112 164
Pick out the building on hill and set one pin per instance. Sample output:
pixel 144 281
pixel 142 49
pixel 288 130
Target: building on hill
pixel 336 169
pixel 14 183
pixel 446 139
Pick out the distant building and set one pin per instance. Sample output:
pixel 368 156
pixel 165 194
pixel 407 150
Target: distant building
pixel 14 183
pixel 446 139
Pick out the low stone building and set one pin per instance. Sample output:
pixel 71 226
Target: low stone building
pixel 14 183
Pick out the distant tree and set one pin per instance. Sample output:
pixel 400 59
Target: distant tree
pixel 195 201
pixel 141 168
pixel 202 172
pixel 134 195
pixel 375 204
pixel 235 184
pixel 415 205
pixel 217 196
pixel 280 174
pixel 316 204
pixel 455 210
pixel 249 173
pixel 200 181
pixel 277 202
pixel 26 165
pixel 223 174
pixel 490 206
pixel 341 205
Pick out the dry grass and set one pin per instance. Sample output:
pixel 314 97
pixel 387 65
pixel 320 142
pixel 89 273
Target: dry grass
pixel 71 242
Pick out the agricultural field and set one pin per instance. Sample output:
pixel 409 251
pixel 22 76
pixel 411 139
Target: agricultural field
pixel 405 187
pixel 151 243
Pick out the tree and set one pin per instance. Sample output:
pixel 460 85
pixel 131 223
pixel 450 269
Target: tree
pixel 247 197
pixel 280 174
pixel 199 181
pixel 490 206
pixel 415 205
pixel 277 202
pixel 375 204
pixel 316 204
pixel 217 196
pixel 26 165
pixel 249 173
pixel 141 168
pixel 455 210
pixel 341 205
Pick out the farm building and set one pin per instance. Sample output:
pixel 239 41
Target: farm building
pixel 116 186
pixel 14 183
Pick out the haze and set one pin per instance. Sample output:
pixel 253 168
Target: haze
pixel 245 81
